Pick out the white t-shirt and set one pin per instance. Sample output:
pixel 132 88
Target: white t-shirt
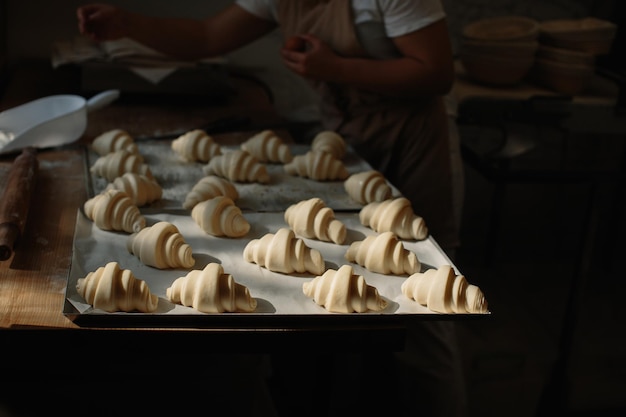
pixel 375 20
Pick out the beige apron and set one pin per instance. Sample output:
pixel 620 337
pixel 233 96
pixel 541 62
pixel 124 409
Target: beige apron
pixel 407 140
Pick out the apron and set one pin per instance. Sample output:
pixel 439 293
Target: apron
pixel 405 139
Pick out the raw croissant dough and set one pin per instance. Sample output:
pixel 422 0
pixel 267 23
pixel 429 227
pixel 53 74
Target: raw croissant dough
pixel 342 291
pixel 161 246
pixel 114 140
pixel 316 165
pixel 115 164
pixel 211 291
pixel 314 220
pixel 140 188
pixel 394 215
pixel 444 292
pixel 384 254
pixel 284 252
pixel 238 165
pixel 219 216
pixel 111 288
pixel 208 187
pixel 196 145
pixel 114 210
pixel 266 146
pixel 329 142
pixel 367 187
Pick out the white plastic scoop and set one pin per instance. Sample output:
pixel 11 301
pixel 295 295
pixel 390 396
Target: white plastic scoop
pixel 49 121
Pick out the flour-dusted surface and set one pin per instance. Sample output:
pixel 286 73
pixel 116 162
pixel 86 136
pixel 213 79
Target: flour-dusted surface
pixel 177 176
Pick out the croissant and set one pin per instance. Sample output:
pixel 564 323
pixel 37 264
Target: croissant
pixel 384 254
pixel 444 292
pixel 140 188
pixel 196 145
pixel 367 186
pixel 161 246
pixel 329 142
pixel 342 291
pixel 111 288
pixel 219 216
pixel 208 187
pixel 316 165
pixel 114 210
pixel 237 165
pixel 115 164
pixel 211 291
pixel 394 215
pixel 284 252
pixel 266 146
pixel 114 140
pixel 312 219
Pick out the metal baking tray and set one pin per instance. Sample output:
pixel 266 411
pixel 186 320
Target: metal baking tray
pixel 282 304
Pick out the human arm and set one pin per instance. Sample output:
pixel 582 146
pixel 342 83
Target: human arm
pixel 425 65
pixel 183 38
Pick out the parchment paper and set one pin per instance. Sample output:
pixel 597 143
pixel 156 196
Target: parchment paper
pixel 276 293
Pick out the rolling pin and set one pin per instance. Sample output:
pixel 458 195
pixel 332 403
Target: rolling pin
pixel 15 200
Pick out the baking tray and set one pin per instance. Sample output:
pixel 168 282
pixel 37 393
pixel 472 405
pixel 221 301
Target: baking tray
pixel 177 176
pixel 281 302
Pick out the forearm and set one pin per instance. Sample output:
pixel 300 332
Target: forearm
pixel 398 77
pixel 184 38
pixel 181 38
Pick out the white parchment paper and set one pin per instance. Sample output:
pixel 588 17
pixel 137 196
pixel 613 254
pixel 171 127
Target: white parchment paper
pixel 276 293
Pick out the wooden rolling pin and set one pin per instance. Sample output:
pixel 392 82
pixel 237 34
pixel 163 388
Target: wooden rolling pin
pixel 15 200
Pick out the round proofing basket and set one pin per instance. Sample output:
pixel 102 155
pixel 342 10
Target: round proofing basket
pixel 565 56
pixel 591 35
pixel 496 71
pixel 501 49
pixel 502 28
pixel 560 77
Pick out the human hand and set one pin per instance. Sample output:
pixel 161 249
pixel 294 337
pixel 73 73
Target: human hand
pixel 315 60
pixel 102 22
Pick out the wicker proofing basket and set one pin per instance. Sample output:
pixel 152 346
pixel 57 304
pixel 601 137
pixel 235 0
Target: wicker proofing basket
pixel 589 34
pixel 502 28
pixel 496 71
pixel 564 78
pixel 565 56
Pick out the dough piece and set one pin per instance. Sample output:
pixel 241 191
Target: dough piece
pixel 312 219
pixel 208 187
pixel 114 210
pixel 394 215
pixel 196 145
pixel 211 291
pixel 219 216
pixel 284 252
pixel 161 246
pixel 115 164
pixel 367 187
pixel 266 146
pixel 141 189
pixel 316 165
pixel 384 254
pixel 329 142
pixel 238 165
pixel 444 292
pixel 342 291
pixel 111 289
pixel 114 140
